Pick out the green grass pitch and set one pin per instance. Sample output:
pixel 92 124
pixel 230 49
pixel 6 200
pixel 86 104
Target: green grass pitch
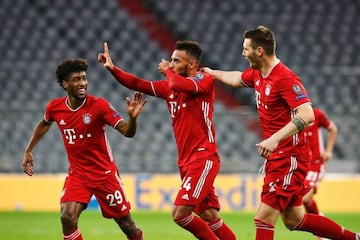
pixel 155 225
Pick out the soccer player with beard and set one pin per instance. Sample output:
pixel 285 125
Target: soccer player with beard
pixel 82 119
pixel 284 110
pixel 189 94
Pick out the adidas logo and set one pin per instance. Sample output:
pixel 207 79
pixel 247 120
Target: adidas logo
pixel 62 122
pixel 185 196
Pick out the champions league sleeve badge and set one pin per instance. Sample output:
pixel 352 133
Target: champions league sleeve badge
pixel 298 92
pixel 297 89
pixel 199 76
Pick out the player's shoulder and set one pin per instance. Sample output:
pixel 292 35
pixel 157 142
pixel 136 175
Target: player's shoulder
pixel 201 75
pixel 251 73
pixel 96 99
pixel 282 70
pixel 283 75
pixel 318 112
pixel 99 103
pixel 321 116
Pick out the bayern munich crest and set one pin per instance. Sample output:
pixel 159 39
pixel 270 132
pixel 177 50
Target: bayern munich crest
pixel 87 118
pixel 267 90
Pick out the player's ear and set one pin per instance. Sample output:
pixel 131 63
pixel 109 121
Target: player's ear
pixel 260 51
pixel 193 64
pixel 64 84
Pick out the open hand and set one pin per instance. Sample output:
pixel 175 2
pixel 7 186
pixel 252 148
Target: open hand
pixel 135 106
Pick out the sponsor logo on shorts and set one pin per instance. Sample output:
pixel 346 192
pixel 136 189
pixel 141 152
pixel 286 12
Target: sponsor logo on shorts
pixel 185 196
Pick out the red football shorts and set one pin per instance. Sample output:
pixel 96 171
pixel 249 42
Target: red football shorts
pixel 110 194
pixel 315 174
pixel 197 188
pixel 284 182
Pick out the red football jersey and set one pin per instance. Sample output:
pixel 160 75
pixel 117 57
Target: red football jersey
pixel 277 96
pixel 83 133
pixel 192 117
pixel 314 136
pixel 190 101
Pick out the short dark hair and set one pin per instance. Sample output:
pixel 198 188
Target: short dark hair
pixel 192 48
pixel 262 37
pixel 68 66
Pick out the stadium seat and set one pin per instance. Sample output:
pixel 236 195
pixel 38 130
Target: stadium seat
pixel 317 39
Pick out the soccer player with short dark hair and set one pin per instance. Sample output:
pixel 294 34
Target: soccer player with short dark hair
pixel 81 119
pixel 189 94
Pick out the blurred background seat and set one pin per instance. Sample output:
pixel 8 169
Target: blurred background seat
pixel 318 40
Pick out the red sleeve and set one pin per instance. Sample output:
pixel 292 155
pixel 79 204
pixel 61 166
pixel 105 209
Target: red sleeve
pixel 109 113
pixel 133 82
pixel 47 114
pixel 293 91
pixel 247 77
pixel 200 83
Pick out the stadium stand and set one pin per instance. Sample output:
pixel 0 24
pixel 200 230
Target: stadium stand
pixel 37 34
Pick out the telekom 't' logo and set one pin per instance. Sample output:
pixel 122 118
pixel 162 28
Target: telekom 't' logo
pixel 173 108
pixel 70 135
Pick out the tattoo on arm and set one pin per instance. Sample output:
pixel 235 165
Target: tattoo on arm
pixel 299 123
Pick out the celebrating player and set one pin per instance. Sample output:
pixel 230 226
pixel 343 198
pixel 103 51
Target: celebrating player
pixel 82 119
pixel 189 95
pixel 284 110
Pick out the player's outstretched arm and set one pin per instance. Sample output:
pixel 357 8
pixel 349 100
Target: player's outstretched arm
pixel 134 108
pixel 124 78
pixel 231 78
pixel 39 131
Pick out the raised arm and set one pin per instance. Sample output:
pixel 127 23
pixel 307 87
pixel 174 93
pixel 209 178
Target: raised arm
pixel 124 78
pixel 134 108
pixel 39 131
pixel 231 78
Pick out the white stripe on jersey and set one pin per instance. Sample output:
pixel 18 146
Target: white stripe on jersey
pixel 121 186
pixel 196 86
pixel 295 137
pixel 153 89
pixel 287 178
pixel 200 183
pixel 321 141
pixel 108 147
pixel 205 108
